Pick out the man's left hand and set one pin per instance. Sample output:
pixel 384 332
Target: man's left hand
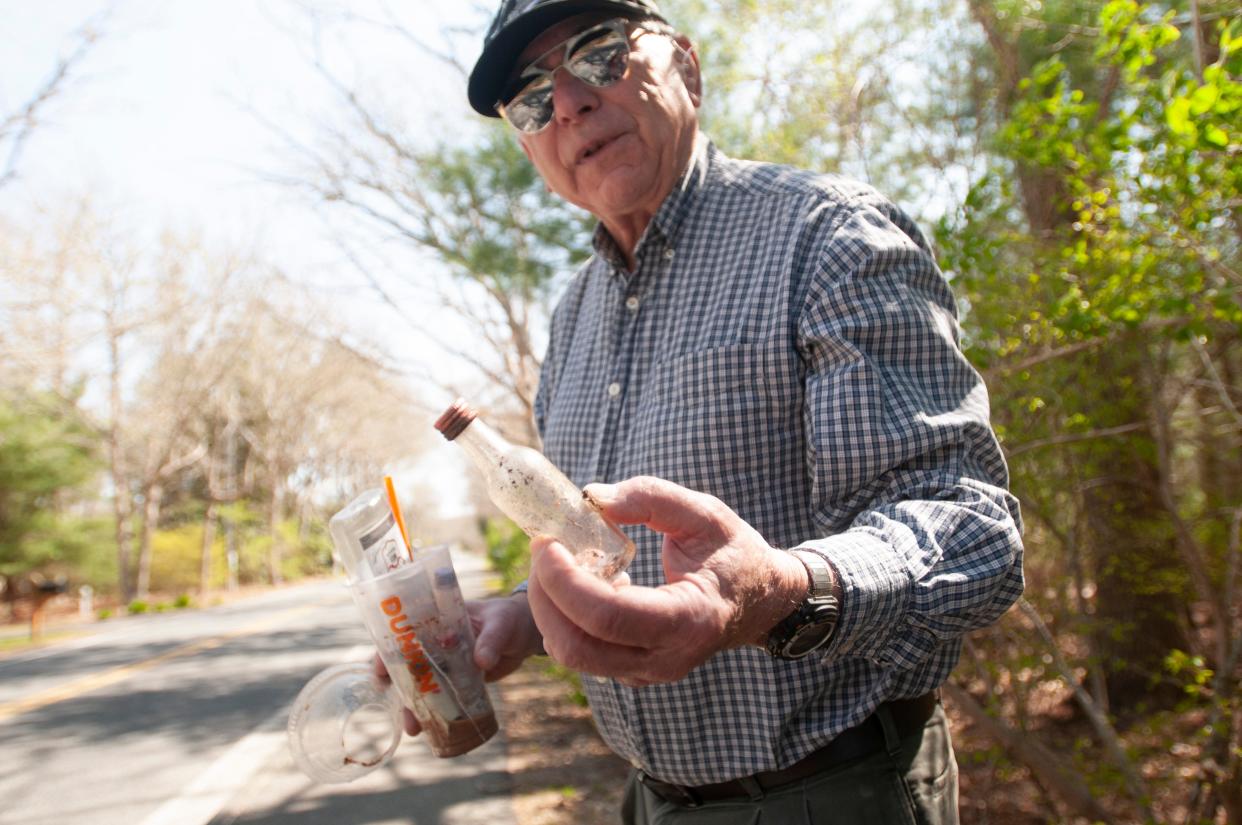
pixel 725 587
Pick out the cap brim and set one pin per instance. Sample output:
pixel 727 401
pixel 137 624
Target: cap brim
pixel 491 71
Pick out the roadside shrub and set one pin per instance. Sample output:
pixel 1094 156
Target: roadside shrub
pixel 572 681
pixel 137 606
pixel 176 557
pixel 508 550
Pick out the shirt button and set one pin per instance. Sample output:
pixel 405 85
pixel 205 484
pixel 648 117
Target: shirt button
pixel 614 389
pixel 669 253
pixel 631 303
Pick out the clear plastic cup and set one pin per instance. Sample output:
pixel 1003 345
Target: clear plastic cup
pixel 344 724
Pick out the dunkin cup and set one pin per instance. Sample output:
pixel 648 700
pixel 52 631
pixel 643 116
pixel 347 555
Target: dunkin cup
pixel 345 723
pixel 419 624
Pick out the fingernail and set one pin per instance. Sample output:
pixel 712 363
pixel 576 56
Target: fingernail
pixel 597 494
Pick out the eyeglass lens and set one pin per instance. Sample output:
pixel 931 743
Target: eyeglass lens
pixel 598 57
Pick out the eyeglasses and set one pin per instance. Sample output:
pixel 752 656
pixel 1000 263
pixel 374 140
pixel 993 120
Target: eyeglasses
pixel 598 56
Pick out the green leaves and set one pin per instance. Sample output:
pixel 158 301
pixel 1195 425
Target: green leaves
pixel 46 453
pixel 1178 117
pixel 495 221
pixel 508 551
pixel 1144 151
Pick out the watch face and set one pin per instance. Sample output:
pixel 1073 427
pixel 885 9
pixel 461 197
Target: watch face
pixel 810 637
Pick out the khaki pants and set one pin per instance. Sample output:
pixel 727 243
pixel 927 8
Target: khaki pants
pixel 915 784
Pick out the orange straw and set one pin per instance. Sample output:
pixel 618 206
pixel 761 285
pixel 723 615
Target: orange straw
pixel 396 512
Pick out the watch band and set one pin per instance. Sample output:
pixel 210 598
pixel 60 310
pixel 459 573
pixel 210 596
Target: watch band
pixel 817 566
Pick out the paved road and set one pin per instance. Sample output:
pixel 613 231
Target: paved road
pixel 178 719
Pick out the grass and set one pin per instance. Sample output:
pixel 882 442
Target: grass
pixel 16 644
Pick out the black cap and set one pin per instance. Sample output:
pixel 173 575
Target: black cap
pixel 516 24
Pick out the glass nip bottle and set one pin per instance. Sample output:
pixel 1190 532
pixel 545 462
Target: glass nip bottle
pixel 529 489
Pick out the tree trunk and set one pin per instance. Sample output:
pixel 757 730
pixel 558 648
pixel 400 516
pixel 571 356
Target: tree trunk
pixel 303 521
pixel 121 503
pixel 8 589
pixel 1141 588
pixel 275 550
pixel 1045 200
pixel 230 552
pixel 153 497
pixel 209 540
pixel 123 533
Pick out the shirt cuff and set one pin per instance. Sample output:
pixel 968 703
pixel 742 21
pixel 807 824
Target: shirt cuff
pixel 875 587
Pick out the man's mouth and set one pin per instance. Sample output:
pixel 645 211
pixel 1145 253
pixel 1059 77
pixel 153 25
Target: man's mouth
pixel 593 148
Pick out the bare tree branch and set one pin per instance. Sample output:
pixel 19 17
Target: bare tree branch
pixel 1050 768
pixel 1103 728
pixel 1073 438
pixel 17 127
pixel 1000 370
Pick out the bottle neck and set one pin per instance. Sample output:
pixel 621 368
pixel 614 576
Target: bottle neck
pixel 483 444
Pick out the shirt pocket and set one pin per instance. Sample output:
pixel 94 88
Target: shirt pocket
pixel 721 420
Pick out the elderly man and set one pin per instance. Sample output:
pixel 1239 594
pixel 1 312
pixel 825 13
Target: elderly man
pixel 761 366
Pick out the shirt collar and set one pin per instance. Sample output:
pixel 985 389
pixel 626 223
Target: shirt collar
pixel 668 218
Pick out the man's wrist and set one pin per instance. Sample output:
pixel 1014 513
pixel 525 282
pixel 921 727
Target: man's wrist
pixel 790 584
pixel 535 638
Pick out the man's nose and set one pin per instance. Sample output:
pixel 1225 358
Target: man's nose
pixel 572 97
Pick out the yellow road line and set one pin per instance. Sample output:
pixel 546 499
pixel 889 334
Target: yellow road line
pixel 117 674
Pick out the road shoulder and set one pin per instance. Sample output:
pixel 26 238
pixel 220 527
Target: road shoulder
pixel 562 772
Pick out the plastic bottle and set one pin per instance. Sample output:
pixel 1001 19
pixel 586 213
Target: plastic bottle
pixel 367 537
pixel 536 495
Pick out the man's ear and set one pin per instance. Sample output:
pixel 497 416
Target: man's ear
pixel 688 60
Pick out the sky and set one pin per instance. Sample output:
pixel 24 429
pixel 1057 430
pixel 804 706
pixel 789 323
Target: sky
pixel 164 117
pixel 157 113
pixel 163 122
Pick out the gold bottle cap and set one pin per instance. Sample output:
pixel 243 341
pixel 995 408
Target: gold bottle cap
pixel 455 419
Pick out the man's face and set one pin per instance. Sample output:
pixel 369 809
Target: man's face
pixel 617 150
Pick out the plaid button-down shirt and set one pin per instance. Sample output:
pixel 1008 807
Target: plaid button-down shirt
pixel 787 344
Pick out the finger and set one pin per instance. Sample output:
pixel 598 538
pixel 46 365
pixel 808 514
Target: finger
pixel 492 637
pixel 410 722
pixel 663 506
pixel 630 616
pixel 568 644
pixel 486 657
pixel 379 669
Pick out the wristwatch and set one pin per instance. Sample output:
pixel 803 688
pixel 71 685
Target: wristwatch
pixel 810 626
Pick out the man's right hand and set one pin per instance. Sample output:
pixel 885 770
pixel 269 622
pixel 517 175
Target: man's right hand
pixel 504 636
